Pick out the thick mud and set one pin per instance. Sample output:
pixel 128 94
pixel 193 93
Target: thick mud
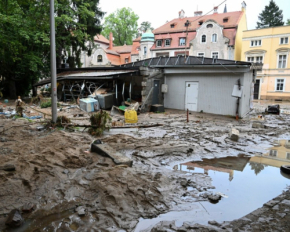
pixel 56 172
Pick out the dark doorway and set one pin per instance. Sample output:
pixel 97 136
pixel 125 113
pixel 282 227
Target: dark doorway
pixel 257 89
pixel 156 91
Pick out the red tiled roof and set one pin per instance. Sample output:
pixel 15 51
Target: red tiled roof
pixel 112 52
pixel 101 39
pixel 122 49
pixel 175 41
pixel 115 60
pixel 135 47
pixel 233 20
pixel 231 34
pixel 137 39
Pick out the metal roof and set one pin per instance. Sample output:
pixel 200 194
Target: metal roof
pixel 187 61
pixel 84 74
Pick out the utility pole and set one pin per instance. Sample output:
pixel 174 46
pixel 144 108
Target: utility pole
pixel 53 64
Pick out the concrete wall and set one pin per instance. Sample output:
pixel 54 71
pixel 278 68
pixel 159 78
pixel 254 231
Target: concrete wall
pixel 214 92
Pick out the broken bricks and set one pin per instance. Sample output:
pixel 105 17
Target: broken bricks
pixel 14 218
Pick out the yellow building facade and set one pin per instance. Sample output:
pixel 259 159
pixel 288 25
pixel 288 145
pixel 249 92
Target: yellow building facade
pixel 270 46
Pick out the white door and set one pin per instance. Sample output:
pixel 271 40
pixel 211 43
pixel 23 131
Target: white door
pixel 191 95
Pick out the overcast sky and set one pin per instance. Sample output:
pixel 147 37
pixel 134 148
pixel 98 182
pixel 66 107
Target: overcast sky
pixel 159 11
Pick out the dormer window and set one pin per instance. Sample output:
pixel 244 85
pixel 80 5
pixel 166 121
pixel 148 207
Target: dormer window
pixel 209 25
pixel 100 58
pixel 200 22
pixel 172 25
pixel 159 43
pixel 167 42
pixel 181 41
pixel 225 20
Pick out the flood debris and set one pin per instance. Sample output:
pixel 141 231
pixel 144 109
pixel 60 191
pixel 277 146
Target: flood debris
pixel 273 109
pixel 8 167
pixel 14 218
pixel 106 150
pixel 234 134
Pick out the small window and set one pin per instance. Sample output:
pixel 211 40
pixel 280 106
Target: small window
pixel 172 25
pixel 273 153
pixel 209 25
pixel 282 61
pixel 255 43
pixel 214 38
pixel 279 84
pixel 158 43
pixel 203 38
pixel 167 42
pixel 284 40
pixel 250 59
pixel 225 20
pixel 288 155
pixel 215 55
pixel 181 41
pixel 259 59
pixel 200 54
pixel 145 50
pixel 200 22
pixel 126 60
pixel 100 58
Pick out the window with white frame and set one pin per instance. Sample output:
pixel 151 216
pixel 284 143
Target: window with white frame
pixel 284 40
pixel 214 38
pixel 145 50
pixel 200 54
pixel 250 59
pixel 255 43
pixel 159 43
pixel 203 38
pixel 100 58
pixel 282 61
pixel 280 84
pixel 167 42
pixel 259 59
pixel 181 41
pixel 288 155
pixel 215 55
pixel 273 153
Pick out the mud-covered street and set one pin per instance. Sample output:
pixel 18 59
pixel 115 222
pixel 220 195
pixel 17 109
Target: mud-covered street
pixel 66 187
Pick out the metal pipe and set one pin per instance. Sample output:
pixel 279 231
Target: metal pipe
pixel 130 91
pixel 187 116
pixel 53 64
pixel 123 91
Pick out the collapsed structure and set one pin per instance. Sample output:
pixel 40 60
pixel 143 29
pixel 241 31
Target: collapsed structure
pixel 195 83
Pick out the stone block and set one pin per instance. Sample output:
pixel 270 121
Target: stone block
pixel 107 151
pixel 234 134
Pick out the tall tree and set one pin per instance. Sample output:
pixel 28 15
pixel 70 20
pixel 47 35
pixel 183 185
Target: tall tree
pixel 77 22
pixel 24 44
pixel 123 24
pixel 146 25
pixel 271 16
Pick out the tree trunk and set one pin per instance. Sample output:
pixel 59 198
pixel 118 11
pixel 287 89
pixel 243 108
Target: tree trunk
pixel 12 89
pixel 58 57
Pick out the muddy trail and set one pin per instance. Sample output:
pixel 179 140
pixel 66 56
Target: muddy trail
pixel 73 189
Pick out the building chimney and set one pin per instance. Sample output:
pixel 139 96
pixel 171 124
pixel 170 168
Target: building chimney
pixel 244 5
pixel 111 41
pixel 197 13
pixel 215 9
pixel 181 14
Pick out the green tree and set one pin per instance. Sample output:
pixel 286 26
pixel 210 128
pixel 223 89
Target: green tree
pixel 271 16
pixel 146 25
pixel 77 22
pixel 123 24
pixel 288 22
pixel 24 44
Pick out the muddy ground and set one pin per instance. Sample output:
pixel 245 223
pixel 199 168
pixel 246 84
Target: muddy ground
pixel 73 189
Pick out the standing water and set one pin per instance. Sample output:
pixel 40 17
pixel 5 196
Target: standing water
pixel 245 183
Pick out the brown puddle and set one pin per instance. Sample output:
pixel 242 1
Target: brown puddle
pixel 245 183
